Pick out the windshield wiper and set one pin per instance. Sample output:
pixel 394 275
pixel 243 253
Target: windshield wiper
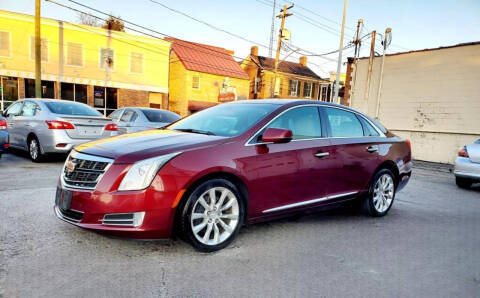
pixel 203 132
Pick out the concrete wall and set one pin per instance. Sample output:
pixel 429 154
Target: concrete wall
pixel 431 97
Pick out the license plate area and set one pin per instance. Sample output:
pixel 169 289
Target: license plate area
pixel 89 130
pixel 63 198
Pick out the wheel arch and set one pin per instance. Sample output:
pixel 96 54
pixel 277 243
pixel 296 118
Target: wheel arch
pixel 237 181
pixel 389 165
pixel 29 137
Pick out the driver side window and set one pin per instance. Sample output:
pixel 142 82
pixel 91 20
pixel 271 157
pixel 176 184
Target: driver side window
pixel 304 122
pixel 14 110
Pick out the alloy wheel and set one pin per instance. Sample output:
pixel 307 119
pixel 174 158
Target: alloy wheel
pixel 215 216
pixel 383 193
pixel 33 149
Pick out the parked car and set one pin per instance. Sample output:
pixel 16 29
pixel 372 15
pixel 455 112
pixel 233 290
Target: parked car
pixel 3 136
pixel 138 119
pixel 43 126
pixel 241 162
pixel 467 165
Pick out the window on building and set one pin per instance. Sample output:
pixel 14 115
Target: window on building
pixel 294 88
pixel 74 54
pixel 307 89
pixel 74 92
pixel 43 48
pixel 9 91
pixel 105 99
pixel 5 44
pixel 343 124
pixel 196 82
pixel 304 122
pixel 136 62
pixel 47 89
pixel 106 59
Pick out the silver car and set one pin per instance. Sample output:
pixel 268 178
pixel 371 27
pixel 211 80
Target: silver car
pixel 43 126
pixel 138 119
pixel 467 165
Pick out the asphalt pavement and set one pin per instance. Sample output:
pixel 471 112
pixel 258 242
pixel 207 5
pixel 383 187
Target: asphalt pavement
pixel 427 246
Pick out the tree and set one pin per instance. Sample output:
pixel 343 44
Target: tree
pixel 88 20
pixel 113 23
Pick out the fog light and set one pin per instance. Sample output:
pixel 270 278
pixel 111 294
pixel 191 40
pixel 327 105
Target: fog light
pixel 124 219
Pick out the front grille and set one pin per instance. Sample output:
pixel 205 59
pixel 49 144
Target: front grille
pixel 84 171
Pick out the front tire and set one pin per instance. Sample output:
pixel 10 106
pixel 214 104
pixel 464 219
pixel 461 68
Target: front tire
pixel 212 215
pixel 381 194
pixel 34 150
pixel 463 182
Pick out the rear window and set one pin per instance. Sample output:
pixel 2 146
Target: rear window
pixel 71 108
pixel 160 116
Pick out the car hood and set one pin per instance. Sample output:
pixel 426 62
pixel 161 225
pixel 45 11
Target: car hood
pixel 130 148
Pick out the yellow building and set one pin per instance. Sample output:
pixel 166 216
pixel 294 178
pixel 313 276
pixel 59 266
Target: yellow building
pixel 106 69
pixel 294 80
pixel 202 76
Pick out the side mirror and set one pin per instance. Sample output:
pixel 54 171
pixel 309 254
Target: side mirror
pixel 277 135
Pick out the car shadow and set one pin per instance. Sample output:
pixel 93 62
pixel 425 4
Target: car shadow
pixel 56 157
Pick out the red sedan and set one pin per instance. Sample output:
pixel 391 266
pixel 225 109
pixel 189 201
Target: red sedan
pixel 243 162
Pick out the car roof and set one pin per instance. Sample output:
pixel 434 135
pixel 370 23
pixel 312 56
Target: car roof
pixel 292 102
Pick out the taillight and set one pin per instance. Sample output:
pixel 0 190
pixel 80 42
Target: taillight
pixel 6 145
pixel 3 124
pixel 111 127
pixel 463 152
pixel 409 156
pixel 55 124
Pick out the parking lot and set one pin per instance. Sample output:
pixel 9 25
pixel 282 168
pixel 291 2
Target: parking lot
pixel 427 246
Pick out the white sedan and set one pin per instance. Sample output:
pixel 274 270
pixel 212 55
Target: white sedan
pixel 467 165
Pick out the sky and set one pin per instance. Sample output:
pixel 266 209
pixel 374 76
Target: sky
pixel 314 26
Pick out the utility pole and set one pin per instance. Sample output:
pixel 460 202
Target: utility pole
pixel 272 30
pixel 358 44
pixel 385 45
pixel 370 64
pixel 38 53
pixel 339 66
pixel 283 15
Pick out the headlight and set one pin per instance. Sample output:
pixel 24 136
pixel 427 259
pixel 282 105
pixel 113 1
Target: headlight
pixel 141 174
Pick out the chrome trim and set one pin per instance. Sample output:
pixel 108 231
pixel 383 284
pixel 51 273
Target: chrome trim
pixel 76 154
pixel 288 206
pixel 381 134
pixel 66 218
pixel 322 154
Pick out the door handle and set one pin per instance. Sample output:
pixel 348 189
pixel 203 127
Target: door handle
pixel 372 149
pixel 322 154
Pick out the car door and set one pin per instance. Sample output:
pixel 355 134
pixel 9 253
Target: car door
pixel 12 115
pixel 354 147
pixel 125 125
pixel 295 174
pixel 26 122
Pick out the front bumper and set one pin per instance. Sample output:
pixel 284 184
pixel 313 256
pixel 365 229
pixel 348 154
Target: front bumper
pixel 89 207
pixel 465 168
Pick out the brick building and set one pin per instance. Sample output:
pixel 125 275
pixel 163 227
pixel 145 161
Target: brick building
pixel 202 76
pixel 105 69
pixel 294 80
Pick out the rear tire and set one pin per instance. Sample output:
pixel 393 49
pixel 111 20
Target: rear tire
pixel 210 225
pixel 381 194
pixel 34 150
pixel 463 182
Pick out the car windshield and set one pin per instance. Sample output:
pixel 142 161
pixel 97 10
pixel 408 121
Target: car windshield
pixel 71 108
pixel 226 120
pixel 477 141
pixel 160 116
